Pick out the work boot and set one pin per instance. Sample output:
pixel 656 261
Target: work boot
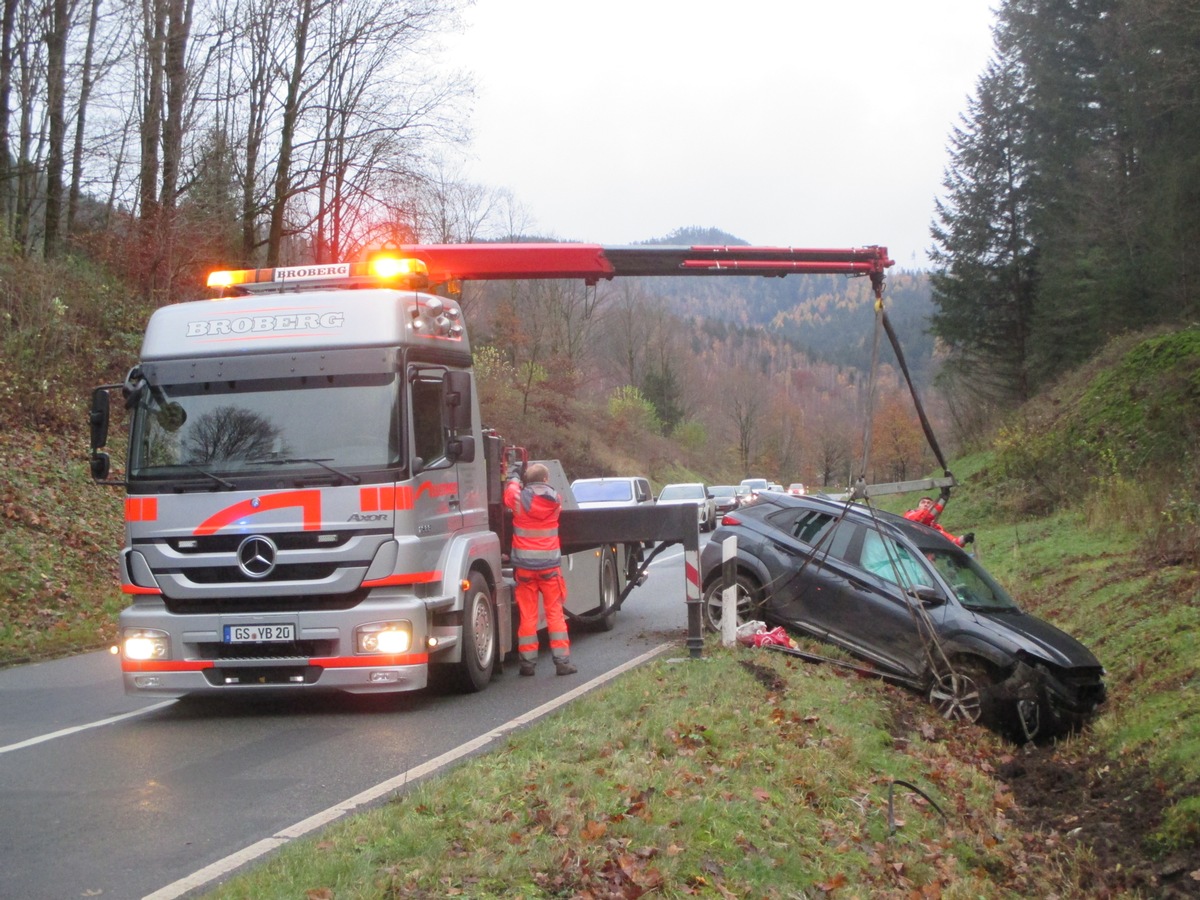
pixel 527 668
pixel 563 667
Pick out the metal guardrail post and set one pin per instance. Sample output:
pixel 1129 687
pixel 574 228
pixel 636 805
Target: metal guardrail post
pixel 691 570
pixel 729 591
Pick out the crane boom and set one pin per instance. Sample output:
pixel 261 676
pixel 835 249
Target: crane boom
pixel 593 262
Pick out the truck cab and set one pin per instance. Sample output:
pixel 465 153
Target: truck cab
pixel 307 497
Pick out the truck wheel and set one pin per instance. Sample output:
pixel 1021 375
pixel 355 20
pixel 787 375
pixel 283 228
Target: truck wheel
pixel 479 644
pixel 609 589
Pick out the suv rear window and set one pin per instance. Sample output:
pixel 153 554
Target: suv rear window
pixel 816 528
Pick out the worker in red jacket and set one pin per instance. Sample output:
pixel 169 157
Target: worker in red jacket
pixel 927 513
pixel 536 557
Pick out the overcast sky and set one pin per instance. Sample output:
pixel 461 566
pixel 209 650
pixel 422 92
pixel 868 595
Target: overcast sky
pixel 783 122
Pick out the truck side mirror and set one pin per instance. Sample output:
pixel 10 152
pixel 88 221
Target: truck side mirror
pixel 461 449
pixel 457 398
pixel 100 465
pixel 98 418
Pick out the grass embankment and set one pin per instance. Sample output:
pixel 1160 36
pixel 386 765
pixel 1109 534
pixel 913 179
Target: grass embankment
pixel 59 537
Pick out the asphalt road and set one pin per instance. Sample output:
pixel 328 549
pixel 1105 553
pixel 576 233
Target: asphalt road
pixel 104 795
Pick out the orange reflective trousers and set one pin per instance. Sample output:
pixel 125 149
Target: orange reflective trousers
pixel 553 590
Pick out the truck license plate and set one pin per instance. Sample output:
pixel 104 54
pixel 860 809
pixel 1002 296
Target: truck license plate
pixel 259 634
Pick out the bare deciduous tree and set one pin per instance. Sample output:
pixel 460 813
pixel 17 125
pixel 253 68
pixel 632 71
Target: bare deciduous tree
pixel 745 402
pixel 87 74
pixel 625 321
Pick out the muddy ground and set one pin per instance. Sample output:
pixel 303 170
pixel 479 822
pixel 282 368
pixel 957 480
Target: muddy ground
pixel 1068 795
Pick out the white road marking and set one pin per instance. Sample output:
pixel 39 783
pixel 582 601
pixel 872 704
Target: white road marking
pixel 667 556
pixel 223 867
pixel 41 739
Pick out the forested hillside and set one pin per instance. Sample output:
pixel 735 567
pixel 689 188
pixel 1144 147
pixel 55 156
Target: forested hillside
pixel 739 374
pixel 830 318
pixel 1072 204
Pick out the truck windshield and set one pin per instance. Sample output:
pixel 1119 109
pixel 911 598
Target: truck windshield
pixel 329 423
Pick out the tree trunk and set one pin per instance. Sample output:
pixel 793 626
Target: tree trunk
pixel 153 33
pixel 7 157
pixel 179 24
pixel 291 116
pixel 56 89
pixel 85 93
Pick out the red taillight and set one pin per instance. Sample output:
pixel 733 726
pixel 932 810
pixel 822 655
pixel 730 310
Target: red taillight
pixel 730 519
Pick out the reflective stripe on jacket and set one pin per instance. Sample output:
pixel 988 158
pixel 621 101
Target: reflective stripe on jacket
pixel 535 509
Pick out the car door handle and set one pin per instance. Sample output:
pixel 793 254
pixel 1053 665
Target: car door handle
pixel 784 548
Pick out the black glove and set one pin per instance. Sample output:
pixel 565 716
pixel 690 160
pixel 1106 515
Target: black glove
pixel 516 473
pixel 944 495
pixel 968 538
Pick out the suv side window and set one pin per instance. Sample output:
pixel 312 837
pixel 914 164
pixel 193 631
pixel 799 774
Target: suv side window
pixel 811 525
pixel 842 541
pixel 891 561
pixel 817 529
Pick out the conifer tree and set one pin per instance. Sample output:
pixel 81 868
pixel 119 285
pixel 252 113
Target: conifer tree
pixel 986 262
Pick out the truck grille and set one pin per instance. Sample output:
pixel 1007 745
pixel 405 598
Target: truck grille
pixel 232 574
pixel 235 604
pixel 228 543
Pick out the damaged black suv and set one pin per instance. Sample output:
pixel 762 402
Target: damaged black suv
pixel 911 604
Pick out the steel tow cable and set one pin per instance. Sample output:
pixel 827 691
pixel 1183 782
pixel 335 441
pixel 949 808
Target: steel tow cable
pixel 921 619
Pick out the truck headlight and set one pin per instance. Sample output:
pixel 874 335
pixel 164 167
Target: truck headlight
pixel 145 643
pixel 384 637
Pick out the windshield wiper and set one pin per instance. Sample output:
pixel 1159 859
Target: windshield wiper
pixel 985 607
pixel 228 485
pixel 353 479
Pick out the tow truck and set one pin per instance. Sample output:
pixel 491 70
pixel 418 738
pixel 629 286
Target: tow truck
pixel 312 500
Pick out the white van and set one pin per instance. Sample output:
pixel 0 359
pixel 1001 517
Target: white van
pixel 598 493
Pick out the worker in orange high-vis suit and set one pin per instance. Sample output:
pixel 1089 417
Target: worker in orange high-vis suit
pixel 536 558
pixel 927 513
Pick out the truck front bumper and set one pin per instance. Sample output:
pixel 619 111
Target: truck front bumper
pixel 174 678
pixel 323 656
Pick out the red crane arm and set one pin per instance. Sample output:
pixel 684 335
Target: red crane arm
pixel 592 262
